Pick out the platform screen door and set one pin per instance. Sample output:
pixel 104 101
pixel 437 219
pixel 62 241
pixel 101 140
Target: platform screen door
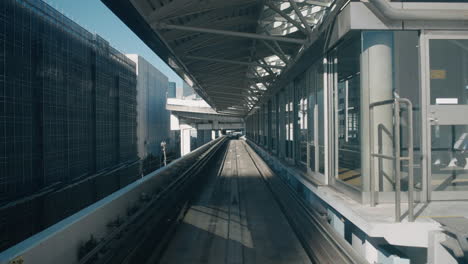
pixel 446 86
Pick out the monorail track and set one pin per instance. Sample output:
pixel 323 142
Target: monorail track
pixel 227 208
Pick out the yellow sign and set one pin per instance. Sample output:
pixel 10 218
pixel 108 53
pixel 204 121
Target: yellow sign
pixel 438 74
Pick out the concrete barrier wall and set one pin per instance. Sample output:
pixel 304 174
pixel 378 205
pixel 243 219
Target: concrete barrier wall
pixel 60 243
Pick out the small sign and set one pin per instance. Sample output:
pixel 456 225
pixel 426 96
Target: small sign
pixel 442 101
pixel 438 74
pixel 17 260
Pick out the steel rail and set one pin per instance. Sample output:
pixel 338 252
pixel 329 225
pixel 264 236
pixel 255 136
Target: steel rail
pixel 397 158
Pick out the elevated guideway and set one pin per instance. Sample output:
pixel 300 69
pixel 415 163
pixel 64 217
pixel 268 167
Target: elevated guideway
pixel 219 204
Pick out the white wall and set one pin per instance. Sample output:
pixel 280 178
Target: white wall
pixel 153 121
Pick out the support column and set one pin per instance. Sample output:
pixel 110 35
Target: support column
pixel 377 85
pixel 184 141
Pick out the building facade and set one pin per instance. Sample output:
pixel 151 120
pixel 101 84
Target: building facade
pixel 153 119
pixel 67 118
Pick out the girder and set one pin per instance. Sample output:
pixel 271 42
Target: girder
pixel 230 33
pixel 232 51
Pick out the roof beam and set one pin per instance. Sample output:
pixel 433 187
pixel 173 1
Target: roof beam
pixel 224 86
pixel 227 99
pixel 317 3
pixel 267 69
pixel 287 17
pixel 222 92
pixel 231 33
pixel 235 62
pixel 181 8
pixel 278 52
pixel 301 17
pixel 208 76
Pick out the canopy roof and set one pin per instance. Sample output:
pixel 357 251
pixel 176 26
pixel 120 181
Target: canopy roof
pixel 231 52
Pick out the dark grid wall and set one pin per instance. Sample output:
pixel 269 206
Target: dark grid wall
pixel 67 101
pixel 127 109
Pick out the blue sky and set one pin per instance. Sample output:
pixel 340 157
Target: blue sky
pixel 97 18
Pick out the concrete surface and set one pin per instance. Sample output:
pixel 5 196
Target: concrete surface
pixel 235 220
pixel 376 221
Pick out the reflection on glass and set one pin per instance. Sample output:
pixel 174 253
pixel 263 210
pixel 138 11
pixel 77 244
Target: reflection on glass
pixel 449 156
pixel 348 151
pixel 281 120
pixel 406 82
pixel 449 86
pixel 269 125
pixel 311 121
pixel 274 130
pixel 449 71
pixel 316 122
pixel 320 116
pixel 301 111
pixel 265 125
pixel 289 124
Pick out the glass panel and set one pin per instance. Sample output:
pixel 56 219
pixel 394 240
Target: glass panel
pixel 274 129
pixel 269 125
pixel 449 71
pixel 449 158
pixel 301 119
pixel 406 83
pixel 311 118
pixel 260 126
pixel 265 125
pixel 319 82
pixel 348 151
pixel 281 124
pixel 289 123
pixel 286 122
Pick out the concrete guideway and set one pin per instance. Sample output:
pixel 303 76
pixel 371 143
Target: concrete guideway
pixel 235 220
pixel 219 204
pixel 93 221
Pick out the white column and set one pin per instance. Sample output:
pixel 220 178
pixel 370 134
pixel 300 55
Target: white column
pixel 377 85
pixel 184 141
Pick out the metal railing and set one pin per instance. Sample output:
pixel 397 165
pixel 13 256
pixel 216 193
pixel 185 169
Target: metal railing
pixel 397 158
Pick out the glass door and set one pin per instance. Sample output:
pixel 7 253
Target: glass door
pixel 301 114
pixel 446 68
pixel 316 122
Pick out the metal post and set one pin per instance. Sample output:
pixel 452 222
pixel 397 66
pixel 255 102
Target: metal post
pixel 397 161
pixel 163 147
pixel 410 163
